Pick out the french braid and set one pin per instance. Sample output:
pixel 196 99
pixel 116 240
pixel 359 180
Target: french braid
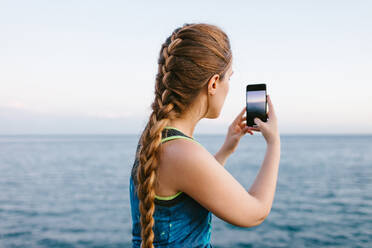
pixel 187 59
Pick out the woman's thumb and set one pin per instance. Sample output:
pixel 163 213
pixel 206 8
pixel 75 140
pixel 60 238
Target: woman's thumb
pixel 257 121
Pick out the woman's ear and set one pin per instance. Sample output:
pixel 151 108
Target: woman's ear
pixel 212 84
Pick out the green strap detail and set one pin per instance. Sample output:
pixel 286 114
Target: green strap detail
pixel 167 198
pixel 178 136
pixel 175 129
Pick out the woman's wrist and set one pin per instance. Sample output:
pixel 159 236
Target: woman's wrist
pixel 274 146
pixel 222 155
pixel 274 141
pixel 225 151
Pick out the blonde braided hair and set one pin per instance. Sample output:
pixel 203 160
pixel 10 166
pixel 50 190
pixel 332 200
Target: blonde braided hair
pixel 187 60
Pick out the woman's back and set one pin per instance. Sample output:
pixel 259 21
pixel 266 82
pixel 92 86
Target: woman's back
pixel 179 220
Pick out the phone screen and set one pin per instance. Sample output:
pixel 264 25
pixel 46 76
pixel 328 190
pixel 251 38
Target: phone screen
pixel 256 103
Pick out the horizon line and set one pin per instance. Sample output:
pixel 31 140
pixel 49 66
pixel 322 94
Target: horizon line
pixel 90 134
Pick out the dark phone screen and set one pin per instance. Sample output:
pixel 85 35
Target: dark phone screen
pixel 256 106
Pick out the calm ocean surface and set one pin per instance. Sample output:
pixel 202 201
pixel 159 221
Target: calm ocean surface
pixel 72 191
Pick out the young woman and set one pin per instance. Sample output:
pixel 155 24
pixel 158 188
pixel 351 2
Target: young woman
pixel 176 184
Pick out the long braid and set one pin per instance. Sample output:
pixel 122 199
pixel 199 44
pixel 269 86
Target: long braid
pixel 187 60
pixel 151 140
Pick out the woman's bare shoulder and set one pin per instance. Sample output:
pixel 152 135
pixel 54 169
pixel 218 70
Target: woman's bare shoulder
pixel 173 153
pixel 176 154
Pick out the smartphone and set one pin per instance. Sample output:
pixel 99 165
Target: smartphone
pixel 256 99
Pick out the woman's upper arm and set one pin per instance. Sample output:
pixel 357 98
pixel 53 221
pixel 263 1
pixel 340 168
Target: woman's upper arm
pixel 201 177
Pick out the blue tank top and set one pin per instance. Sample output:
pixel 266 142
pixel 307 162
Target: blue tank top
pixel 179 220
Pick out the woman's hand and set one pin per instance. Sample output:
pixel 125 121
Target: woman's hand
pixel 236 130
pixel 269 129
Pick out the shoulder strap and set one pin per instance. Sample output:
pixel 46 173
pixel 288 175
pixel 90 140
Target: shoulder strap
pixel 170 133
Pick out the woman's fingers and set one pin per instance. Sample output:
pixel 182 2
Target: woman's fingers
pixel 254 129
pixel 242 125
pixel 239 117
pixel 271 112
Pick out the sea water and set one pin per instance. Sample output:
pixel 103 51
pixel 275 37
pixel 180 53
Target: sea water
pixel 72 191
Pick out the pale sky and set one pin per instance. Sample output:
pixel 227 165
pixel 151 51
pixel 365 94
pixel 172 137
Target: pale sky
pixel 90 66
